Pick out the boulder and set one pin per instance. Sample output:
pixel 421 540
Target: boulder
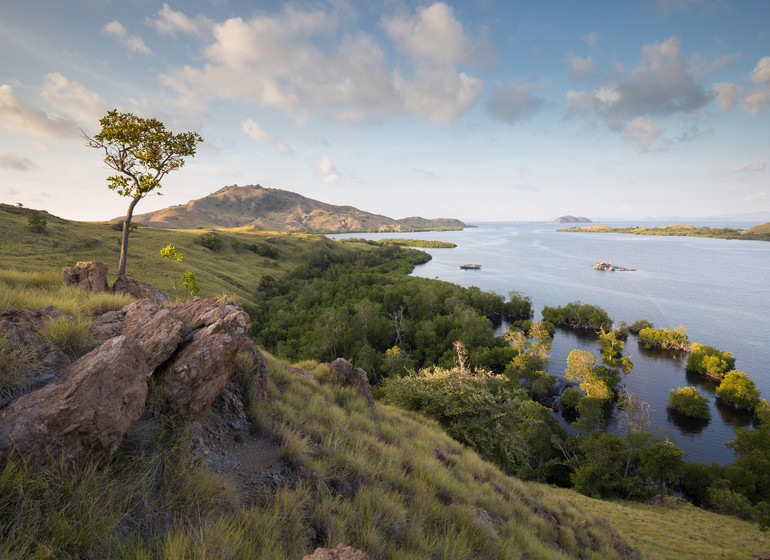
pixel 339 553
pixel 153 328
pixel 260 363
pixel 356 377
pixel 85 414
pixel 140 290
pixel 89 275
pixel 21 328
pixel 198 372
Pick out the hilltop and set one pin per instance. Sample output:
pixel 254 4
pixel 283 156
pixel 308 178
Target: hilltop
pixel 761 229
pixel 279 210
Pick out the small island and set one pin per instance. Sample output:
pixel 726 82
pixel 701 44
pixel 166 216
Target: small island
pixel 571 220
pixel 761 232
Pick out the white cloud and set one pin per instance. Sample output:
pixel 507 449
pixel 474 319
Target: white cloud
pixel 328 172
pixel 756 196
pixel 726 94
pixel 17 115
pixel 516 102
pixel 171 22
pixel 301 63
pixel 643 132
pixel 581 68
pixel 433 34
pixel 661 85
pixel 256 131
pixel 592 38
pixel 751 167
pixel 132 42
pixel 9 160
pixel 73 98
pixel 262 136
pixel 757 100
pixel 761 72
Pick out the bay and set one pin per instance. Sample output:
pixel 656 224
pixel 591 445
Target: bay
pixel 719 289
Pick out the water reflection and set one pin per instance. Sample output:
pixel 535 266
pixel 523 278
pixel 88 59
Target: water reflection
pixel 707 384
pixel 734 417
pixel 686 425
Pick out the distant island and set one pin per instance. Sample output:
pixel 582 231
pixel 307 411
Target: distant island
pixel 571 220
pixel 280 210
pixel 760 232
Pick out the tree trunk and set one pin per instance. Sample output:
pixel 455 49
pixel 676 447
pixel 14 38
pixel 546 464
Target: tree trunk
pixel 124 244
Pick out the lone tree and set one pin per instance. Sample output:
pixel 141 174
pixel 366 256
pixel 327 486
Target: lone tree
pixel 142 151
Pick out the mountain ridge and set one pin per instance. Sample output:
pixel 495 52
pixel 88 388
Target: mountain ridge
pixel 280 210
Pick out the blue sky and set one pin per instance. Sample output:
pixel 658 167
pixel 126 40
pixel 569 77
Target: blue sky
pixel 486 110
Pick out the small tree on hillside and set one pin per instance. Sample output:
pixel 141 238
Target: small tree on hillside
pixel 142 151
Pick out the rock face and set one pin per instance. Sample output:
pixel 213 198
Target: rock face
pixel 356 377
pixel 198 372
pixel 89 275
pixel 86 413
pixel 153 328
pixel 140 290
pixel 339 553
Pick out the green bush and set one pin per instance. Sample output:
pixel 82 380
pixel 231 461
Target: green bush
pixel 738 390
pixel 37 222
pixel 707 360
pixel 728 502
pixel 665 339
pixel 761 514
pixel 689 402
pixel 211 241
pixel 578 315
pixel 639 325
pixel 571 397
pixel 479 410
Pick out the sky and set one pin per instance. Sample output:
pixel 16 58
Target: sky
pixel 487 110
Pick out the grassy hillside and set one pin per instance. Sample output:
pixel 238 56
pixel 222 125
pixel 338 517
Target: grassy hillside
pixel 279 210
pixel 762 229
pixel 388 482
pixel 235 267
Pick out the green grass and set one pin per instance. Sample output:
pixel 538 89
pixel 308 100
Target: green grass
pixel 234 269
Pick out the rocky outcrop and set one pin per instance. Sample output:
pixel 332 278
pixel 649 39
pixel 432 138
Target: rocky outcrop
pixel 198 372
pixel 86 413
pixel 140 290
pixel 153 328
pixel 356 377
pixel 299 372
pixel 339 553
pixel 86 407
pixel 89 275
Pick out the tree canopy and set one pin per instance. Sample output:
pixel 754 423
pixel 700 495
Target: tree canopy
pixel 143 152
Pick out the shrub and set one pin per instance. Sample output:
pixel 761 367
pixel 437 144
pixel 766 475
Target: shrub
pixel 689 402
pixel 707 360
pixel 211 241
pixel 728 502
pixel 571 397
pixel 665 339
pixel 761 514
pixel 738 390
pixel 578 315
pixel 37 222
pixel 639 325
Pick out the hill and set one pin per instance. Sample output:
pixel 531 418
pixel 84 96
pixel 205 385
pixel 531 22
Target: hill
pixel 279 210
pixel 571 220
pixel 762 229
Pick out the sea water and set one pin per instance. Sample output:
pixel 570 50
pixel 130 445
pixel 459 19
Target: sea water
pixel 719 289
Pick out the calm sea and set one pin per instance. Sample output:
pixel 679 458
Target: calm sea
pixel 719 289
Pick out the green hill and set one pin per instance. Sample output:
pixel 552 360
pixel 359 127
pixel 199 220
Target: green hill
pixel 279 210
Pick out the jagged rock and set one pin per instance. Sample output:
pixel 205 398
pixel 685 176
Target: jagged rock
pixel 21 327
pixel 86 414
pixel 355 377
pixel 299 372
pixel 339 553
pixel 89 275
pixel 199 371
pixel 156 331
pixel 140 290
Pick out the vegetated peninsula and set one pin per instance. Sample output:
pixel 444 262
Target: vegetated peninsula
pixel 760 232
pixel 280 210
pixel 572 220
